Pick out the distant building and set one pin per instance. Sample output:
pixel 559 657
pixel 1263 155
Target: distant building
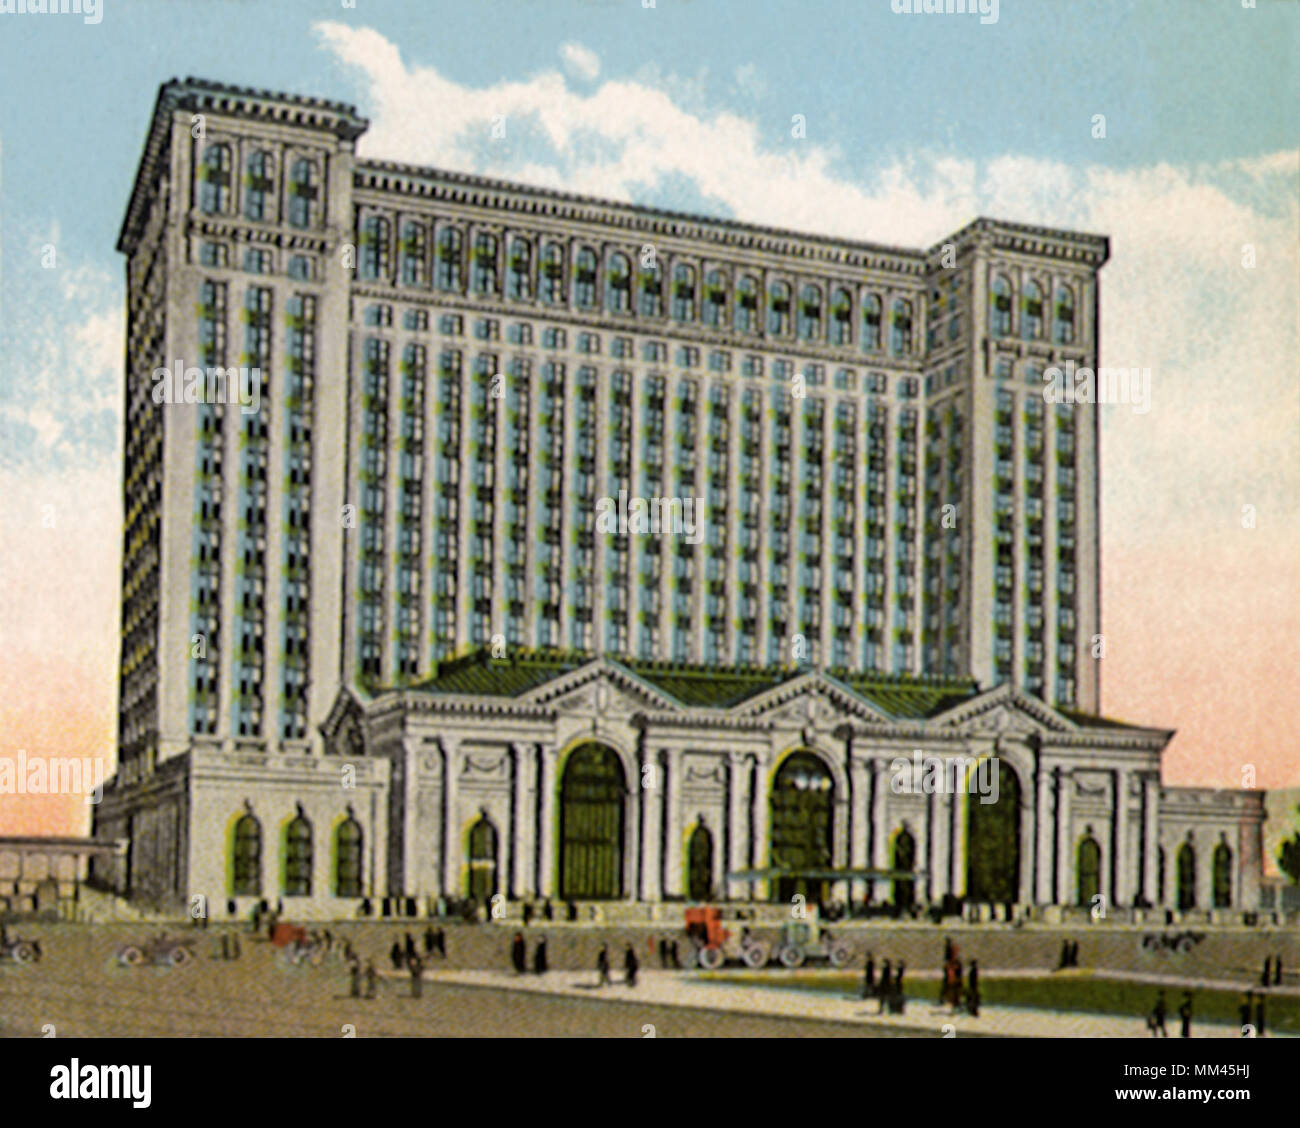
pixel 569 547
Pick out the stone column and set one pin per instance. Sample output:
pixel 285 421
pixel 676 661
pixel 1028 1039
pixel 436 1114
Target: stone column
pixel 860 813
pixel 652 826
pixel 737 823
pixel 957 842
pixel 450 817
pixel 673 851
pixel 1205 844
pixel 1151 837
pixel 940 823
pixel 546 826
pixel 879 831
pixel 1064 838
pixel 761 849
pixel 1043 839
pixel 1122 875
pixel 523 868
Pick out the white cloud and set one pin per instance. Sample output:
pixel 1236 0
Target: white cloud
pixel 582 61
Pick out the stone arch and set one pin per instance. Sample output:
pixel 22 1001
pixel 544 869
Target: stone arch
pixel 995 840
pixel 593 822
pixel 801 804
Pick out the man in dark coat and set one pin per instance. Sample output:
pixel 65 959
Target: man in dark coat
pixel 1267 977
pixel 430 940
pixel 519 954
pixel 630 965
pixel 1185 1013
pixel 869 977
pixel 410 947
pixel 1277 971
pixel 417 976
pixel 372 979
pixel 1259 1016
pixel 899 1002
pixel 1244 1012
pixel 1158 1017
pixel 882 990
pixel 528 913
pixel 602 966
pixel 548 912
pixel 539 958
pixel 356 979
pixel 396 955
pixel 973 990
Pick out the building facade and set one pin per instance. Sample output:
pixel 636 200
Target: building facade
pixel 501 436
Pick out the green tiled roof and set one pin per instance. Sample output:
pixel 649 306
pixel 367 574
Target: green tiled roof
pixel 1091 720
pixel 692 686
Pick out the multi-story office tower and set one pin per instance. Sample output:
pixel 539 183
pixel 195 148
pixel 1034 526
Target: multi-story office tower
pixel 472 394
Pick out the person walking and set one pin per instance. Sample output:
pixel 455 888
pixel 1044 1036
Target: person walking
pixel 548 911
pixel 899 1002
pixel 602 966
pixel 630 965
pixel 528 913
pixel 882 990
pixel 1157 1020
pixel 372 980
pixel 973 990
pixel 1266 978
pixel 869 977
pixel 1185 1013
pixel 1259 1016
pixel 409 947
pixel 539 957
pixel 440 936
pixel 519 954
pixel 355 975
pixel 1277 971
pixel 395 954
pixel 417 975
pixel 1244 1012
pixel 430 940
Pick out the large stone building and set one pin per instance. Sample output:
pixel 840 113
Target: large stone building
pixel 582 549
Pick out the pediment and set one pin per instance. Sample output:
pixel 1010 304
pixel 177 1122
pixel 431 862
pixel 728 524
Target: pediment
pixel 600 688
pixel 1005 712
pixel 809 701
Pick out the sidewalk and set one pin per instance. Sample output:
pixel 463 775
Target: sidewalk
pixel 675 989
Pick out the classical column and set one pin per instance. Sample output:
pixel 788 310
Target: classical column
pixel 1043 839
pixel 673 853
pixel 957 841
pixel 1064 838
pixel 1121 877
pixel 761 849
pixel 522 867
pixel 450 818
pixel 737 823
pixel 860 813
pixel 546 823
pixel 652 826
pixel 1151 838
pixel 879 831
pixel 939 823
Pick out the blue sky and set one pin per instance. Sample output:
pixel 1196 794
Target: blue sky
pixel 914 125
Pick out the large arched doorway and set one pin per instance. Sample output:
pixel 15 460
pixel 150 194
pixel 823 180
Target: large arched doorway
pixel 1186 876
pixel 904 859
pixel 591 825
pixel 482 860
pixel 700 872
pixel 803 798
pixel 1088 867
pixel 993 843
pixel 1223 876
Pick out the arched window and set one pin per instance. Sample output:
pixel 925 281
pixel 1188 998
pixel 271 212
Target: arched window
pixel 450 243
pixel 1088 865
pixel 1186 876
pixel 802 802
pixel 1222 876
pixel 810 314
pixel 214 180
pixel 584 279
pixel 375 234
pixel 485 263
pixel 552 281
pixel 297 857
pixel 1000 307
pixel 1064 332
pixel 618 284
pixel 683 292
pixel 778 301
pixel 1031 326
pixel 700 865
pixel 304 192
pixel 871 310
pixel 483 860
pixel 592 794
pixel 747 304
pixel 415 253
pixel 713 310
pixel 246 857
pixel 520 284
pixel 258 185
pixel 901 328
pixel 652 290
pixel 841 324
pixel 904 862
pixel 993 837
pixel 347 849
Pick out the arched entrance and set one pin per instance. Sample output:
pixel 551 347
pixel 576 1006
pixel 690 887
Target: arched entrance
pixel 1223 876
pixel 591 825
pixel 1186 876
pixel 904 859
pixel 482 860
pixel 700 873
pixel 1088 870
pixel 803 799
pixel 993 843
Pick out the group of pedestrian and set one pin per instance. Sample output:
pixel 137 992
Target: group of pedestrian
pixel 630 966
pixel 888 989
pixel 530 910
pixel 1156 1019
pixel 668 955
pixel 1069 955
pixel 371 977
pixel 959 990
pixel 1272 972
pixel 519 955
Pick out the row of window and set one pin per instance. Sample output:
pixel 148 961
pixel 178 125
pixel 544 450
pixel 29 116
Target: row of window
pixel 257 193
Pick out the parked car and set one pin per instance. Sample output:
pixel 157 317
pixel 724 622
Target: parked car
pixel 159 951
pixel 804 940
pixel 713 945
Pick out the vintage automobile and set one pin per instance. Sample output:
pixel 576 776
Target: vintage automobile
pixel 19 951
pixel 714 946
pixel 804 940
pixel 300 945
pixel 159 951
pixel 1180 942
